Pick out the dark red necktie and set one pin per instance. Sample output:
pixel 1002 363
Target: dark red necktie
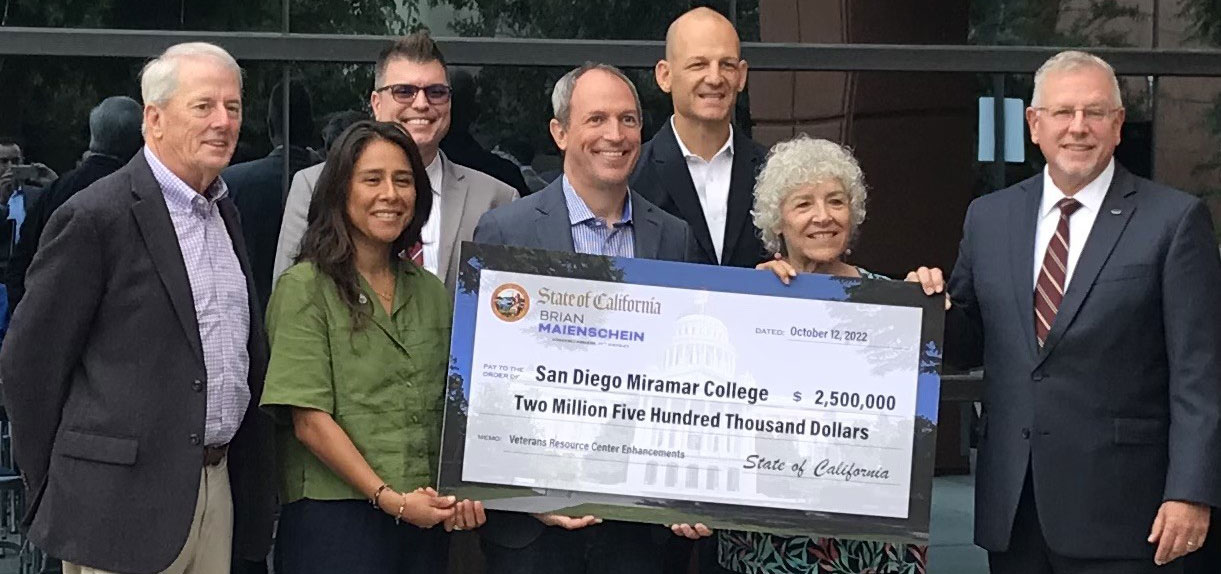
pixel 1049 289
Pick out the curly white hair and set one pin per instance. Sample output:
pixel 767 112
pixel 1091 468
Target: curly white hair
pixel 800 162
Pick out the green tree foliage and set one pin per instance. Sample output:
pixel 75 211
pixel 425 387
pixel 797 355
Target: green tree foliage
pixel 47 100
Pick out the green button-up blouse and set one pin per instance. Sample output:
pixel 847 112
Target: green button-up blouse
pixel 384 384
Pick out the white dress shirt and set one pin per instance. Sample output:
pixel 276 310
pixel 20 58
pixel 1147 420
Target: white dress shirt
pixel 430 235
pixel 711 179
pixel 1079 225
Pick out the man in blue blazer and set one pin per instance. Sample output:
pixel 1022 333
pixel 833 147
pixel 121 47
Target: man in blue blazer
pixel 1091 298
pixel 588 210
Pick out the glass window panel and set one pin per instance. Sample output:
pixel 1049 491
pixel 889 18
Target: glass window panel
pixel 216 15
pixel 568 19
pixel 1187 136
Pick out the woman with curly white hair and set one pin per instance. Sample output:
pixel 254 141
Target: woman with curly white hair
pixel 809 204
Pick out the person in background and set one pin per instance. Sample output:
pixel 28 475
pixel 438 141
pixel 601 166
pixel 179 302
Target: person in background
pixel 258 187
pixel 809 204
pixel 336 123
pixel 359 350
pixel 521 155
pixel 11 156
pixel 698 167
pixel 461 146
pixel 138 435
pixel 21 186
pixel 411 87
pixel 114 138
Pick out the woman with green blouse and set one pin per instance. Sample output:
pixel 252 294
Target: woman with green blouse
pixel 359 349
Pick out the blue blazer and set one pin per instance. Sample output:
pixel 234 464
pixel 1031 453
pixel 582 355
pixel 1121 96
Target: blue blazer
pixel 1121 409
pixel 540 221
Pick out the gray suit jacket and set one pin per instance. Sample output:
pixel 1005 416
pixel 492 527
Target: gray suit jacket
pixel 102 368
pixel 1121 408
pixel 466 195
pixel 540 221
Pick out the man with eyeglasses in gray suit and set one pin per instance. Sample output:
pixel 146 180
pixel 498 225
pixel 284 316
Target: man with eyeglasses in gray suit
pixel 412 90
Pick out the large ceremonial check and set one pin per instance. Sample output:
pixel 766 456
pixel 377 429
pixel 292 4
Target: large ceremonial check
pixel 671 393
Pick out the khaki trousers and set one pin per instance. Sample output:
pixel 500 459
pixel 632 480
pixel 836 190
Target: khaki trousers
pixel 210 541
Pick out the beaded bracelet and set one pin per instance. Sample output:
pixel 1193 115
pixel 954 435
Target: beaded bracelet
pixel 399 517
pixel 373 501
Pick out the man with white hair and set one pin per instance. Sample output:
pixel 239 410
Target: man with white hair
pixel 139 439
pixel 1089 295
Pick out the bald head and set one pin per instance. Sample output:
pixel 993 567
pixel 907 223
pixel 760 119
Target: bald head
pixel 699 22
pixel 703 71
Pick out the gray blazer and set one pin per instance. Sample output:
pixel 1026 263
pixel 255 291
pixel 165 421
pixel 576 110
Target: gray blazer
pixel 466 195
pixel 1121 408
pixel 102 367
pixel 540 221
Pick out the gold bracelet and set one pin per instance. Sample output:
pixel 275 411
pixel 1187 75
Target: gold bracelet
pixel 399 517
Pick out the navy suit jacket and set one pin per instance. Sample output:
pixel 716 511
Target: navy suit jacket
pixel 662 177
pixel 541 221
pixel 1121 409
pixel 258 189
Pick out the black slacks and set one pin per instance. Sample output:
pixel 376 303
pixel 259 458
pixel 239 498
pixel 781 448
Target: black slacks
pixel 1029 554
pixel 608 548
pixel 327 536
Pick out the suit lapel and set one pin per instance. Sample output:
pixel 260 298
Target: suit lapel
pixel 741 193
pixel 676 179
pixel 645 227
pixel 1023 221
pixel 453 205
pixel 153 218
pixel 551 221
pixel 1117 209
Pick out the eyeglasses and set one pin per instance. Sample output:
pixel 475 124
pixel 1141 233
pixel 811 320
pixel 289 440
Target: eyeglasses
pixel 436 94
pixel 1093 114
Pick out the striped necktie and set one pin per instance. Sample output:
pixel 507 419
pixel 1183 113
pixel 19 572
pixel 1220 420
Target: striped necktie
pixel 1049 289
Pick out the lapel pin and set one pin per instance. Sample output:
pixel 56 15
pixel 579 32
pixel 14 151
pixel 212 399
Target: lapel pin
pixel 1116 212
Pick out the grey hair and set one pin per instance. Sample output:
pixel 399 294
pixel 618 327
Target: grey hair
pixel 561 95
pixel 797 163
pixel 159 78
pixel 114 127
pixel 1070 60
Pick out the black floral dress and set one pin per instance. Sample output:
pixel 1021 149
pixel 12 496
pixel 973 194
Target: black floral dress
pixel 759 553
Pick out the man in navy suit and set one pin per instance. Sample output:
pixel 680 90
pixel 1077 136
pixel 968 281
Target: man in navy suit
pixel 698 167
pixel 587 210
pixel 1090 297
